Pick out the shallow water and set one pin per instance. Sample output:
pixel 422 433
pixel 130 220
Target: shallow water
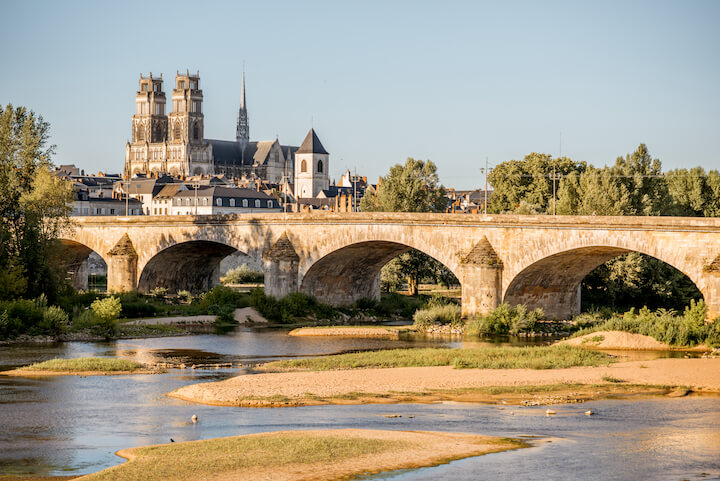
pixel 73 425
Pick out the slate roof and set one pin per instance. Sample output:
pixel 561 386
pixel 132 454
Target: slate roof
pixel 230 192
pixel 311 145
pixel 228 152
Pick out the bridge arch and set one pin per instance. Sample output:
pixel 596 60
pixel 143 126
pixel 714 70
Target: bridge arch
pixel 352 272
pixel 191 265
pixel 553 282
pixel 72 257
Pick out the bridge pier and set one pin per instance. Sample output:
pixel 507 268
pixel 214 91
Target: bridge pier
pixel 122 266
pixel 280 266
pixel 79 275
pixel 481 273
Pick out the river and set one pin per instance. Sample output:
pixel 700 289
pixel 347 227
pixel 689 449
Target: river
pixel 71 425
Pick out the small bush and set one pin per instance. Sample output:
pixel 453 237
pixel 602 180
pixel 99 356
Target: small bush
pixel 438 314
pixel 185 296
pixel 366 304
pixel 106 309
pixel 505 319
pixel 159 292
pixel 289 308
pixel 55 321
pixel 242 274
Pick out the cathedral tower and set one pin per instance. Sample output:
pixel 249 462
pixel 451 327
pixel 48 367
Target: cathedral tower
pixel 149 121
pixel 311 167
pixel 188 151
pixel 243 127
pixel 186 120
pixel 149 125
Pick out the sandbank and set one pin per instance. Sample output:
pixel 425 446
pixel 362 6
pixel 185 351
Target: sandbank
pixel 384 332
pixel 426 384
pixel 619 340
pixel 240 458
pixel 243 315
pixel 44 373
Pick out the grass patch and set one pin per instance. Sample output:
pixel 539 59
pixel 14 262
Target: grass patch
pixel 85 364
pixel 536 357
pixel 612 379
pixel 217 457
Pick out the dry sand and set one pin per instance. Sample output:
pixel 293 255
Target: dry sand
pixel 244 315
pixel 350 331
pixel 420 449
pixel 306 387
pixel 619 340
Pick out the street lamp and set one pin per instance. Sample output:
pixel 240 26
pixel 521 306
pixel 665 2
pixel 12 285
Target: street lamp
pixel 196 186
pixel 485 171
pixel 555 176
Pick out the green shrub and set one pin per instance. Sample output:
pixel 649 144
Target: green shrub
pixel 159 292
pixel 289 308
pixel 688 329
pixel 394 304
pixel 438 314
pixel 54 321
pixel 242 274
pixel 505 319
pixel 185 296
pixel 366 304
pixel 221 295
pixel 106 309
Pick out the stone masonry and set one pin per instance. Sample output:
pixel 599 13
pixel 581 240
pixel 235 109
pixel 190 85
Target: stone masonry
pixel 534 260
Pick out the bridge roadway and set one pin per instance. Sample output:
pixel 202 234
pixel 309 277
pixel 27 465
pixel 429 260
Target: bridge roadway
pixel 539 261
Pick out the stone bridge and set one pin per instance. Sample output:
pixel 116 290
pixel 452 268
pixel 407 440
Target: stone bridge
pixel 539 261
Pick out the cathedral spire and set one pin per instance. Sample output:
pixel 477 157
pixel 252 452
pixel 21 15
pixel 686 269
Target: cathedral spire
pixel 243 128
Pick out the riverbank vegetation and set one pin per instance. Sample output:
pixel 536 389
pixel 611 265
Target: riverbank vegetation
pixel 667 326
pixel 537 357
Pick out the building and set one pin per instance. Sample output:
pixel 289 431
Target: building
pixel 175 144
pixel 182 199
pixel 467 201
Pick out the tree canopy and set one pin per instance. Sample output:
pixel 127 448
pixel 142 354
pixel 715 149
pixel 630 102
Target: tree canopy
pixel 412 187
pixel 34 205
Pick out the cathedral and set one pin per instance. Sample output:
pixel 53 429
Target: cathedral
pixel 175 143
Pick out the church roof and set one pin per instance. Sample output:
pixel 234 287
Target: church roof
pixel 255 153
pixel 311 145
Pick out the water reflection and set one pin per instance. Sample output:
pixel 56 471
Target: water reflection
pixel 73 425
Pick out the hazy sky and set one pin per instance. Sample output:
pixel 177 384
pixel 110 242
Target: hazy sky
pixel 453 82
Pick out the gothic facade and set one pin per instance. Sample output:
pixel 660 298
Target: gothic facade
pixel 175 143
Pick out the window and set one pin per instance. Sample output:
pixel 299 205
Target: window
pixel 112 211
pixel 181 84
pixel 196 132
pixel 303 166
pixel 320 167
pixel 245 202
pixel 218 201
pixel 257 202
pixel 205 201
pixel 178 201
pixel 187 201
pixel 270 204
pixel 232 202
pixel 144 87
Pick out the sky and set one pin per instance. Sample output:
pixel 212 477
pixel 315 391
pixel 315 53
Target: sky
pixel 453 82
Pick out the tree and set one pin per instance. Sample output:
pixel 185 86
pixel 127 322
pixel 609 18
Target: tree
pixel 412 187
pixel 525 186
pixel 34 205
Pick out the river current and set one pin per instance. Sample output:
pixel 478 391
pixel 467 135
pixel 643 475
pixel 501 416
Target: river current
pixel 70 425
